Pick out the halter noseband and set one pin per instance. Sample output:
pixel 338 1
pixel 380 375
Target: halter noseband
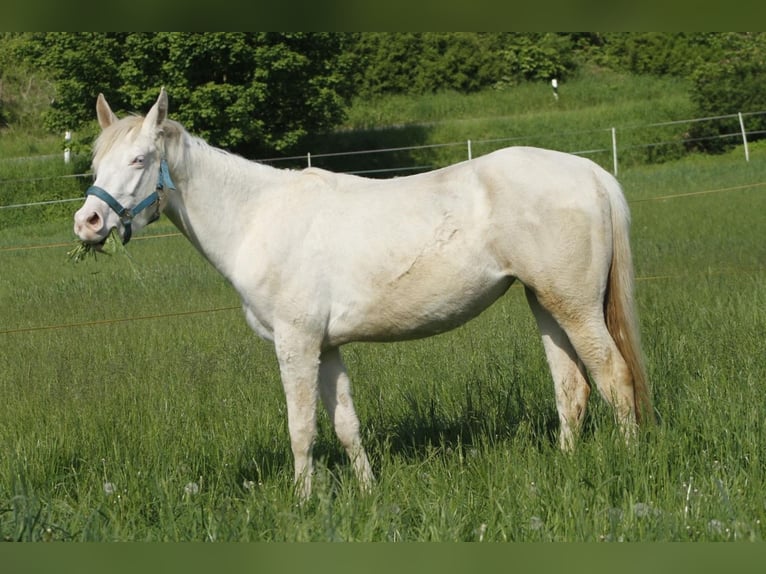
pixel 126 215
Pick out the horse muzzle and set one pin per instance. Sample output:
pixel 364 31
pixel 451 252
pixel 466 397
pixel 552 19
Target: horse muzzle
pixel 90 222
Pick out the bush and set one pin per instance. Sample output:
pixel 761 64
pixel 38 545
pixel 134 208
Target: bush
pixel 465 62
pixel 530 57
pixel 734 81
pixel 657 53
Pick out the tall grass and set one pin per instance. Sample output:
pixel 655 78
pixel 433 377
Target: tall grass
pixel 37 177
pixel 173 427
pixel 579 121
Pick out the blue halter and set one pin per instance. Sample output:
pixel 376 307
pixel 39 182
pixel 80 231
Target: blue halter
pixel 126 215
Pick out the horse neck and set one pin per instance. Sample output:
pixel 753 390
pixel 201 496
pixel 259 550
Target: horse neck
pixel 216 194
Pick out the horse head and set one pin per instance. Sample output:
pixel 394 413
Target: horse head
pixel 130 174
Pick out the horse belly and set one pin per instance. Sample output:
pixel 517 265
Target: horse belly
pixel 417 304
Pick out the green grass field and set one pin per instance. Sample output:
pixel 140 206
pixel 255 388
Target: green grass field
pixel 138 406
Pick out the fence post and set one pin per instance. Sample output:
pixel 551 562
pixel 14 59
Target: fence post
pixel 308 158
pixel 614 150
pixel 470 155
pixel 744 136
pixel 67 140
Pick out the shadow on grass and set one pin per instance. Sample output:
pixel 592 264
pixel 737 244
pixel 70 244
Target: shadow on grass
pixel 413 436
pixel 422 430
pixel 415 432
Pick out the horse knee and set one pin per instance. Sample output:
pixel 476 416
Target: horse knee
pixel 347 430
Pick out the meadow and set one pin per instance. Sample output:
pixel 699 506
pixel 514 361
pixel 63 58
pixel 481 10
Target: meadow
pixel 138 406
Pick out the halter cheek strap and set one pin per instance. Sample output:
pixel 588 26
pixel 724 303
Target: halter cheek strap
pixel 125 214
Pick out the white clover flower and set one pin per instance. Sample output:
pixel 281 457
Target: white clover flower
pixel 191 488
pixel 109 488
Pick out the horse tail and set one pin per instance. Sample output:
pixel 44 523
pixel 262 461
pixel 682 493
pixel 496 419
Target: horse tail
pixel 619 305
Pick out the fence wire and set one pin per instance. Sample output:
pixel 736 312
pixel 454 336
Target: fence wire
pixel 104 322
pixel 307 157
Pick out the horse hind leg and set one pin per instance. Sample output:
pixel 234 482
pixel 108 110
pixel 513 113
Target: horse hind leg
pixel 608 370
pixel 570 383
pixel 335 390
pixel 586 329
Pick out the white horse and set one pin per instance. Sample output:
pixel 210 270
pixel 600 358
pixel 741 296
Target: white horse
pixel 321 259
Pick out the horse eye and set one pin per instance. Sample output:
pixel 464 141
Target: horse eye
pixel 139 160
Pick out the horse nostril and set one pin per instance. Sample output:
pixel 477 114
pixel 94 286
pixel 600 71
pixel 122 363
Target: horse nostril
pixel 94 221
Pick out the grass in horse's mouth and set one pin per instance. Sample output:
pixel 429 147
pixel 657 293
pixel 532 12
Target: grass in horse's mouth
pixel 110 245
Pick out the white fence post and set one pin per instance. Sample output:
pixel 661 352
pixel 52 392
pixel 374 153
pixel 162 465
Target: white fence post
pixel 744 136
pixel 470 155
pixel 67 140
pixel 614 150
pixel 308 158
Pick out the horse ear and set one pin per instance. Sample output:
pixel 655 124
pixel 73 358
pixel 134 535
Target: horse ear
pixel 158 113
pixel 105 114
pixel 162 106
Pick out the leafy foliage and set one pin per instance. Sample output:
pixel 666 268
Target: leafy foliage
pixel 734 81
pixel 81 63
pixel 536 56
pixel 242 91
pixel 23 90
pixel 264 91
pixel 423 62
pixel 657 53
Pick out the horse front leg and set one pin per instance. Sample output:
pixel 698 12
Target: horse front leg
pixel 298 358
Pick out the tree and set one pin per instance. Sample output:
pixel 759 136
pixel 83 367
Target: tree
pixel 81 64
pixel 248 92
pixel 255 91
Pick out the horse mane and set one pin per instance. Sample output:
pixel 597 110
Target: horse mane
pixel 172 143
pixel 129 127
